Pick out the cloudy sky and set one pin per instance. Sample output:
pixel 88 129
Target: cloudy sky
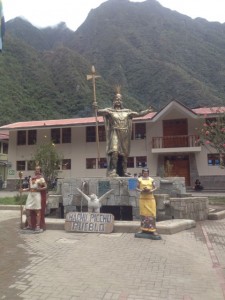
pixel 42 13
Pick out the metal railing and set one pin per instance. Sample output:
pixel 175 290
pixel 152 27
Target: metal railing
pixel 176 141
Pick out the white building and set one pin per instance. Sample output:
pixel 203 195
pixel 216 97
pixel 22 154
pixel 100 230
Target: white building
pixel 4 137
pixel 165 141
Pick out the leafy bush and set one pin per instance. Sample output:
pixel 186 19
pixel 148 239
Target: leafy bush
pixel 16 200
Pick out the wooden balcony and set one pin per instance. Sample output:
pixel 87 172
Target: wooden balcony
pixel 176 143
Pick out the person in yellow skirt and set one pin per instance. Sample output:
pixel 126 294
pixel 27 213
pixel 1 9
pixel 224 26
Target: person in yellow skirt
pixel 146 186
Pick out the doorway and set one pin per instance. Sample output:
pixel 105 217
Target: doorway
pixel 177 165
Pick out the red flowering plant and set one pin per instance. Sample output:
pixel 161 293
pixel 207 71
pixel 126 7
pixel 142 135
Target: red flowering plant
pixel 212 134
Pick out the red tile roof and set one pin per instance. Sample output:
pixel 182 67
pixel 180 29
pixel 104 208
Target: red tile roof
pixel 209 110
pixel 4 135
pixel 91 120
pixel 62 122
pixel 52 123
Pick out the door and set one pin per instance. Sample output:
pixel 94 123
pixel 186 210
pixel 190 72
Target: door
pixel 177 165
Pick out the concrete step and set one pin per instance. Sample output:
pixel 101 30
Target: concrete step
pixel 206 190
pixel 163 227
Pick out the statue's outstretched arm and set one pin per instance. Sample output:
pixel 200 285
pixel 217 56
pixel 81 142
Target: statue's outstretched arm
pixel 105 195
pixel 103 112
pixel 84 195
pixel 142 113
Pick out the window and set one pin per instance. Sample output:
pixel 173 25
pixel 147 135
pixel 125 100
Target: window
pixel 102 163
pixel 141 161
pixel 209 121
pixel 132 132
pixel 32 137
pixel 91 163
pixel 140 131
pixel 66 164
pixel 31 165
pixel 55 135
pixel 66 135
pixel 5 147
pixel 90 134
pixel 20 165
pixel 21 137
pixel 214 159
pixel 101 133
pixel 130 162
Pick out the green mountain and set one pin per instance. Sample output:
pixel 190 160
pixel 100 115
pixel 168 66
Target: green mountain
pixel 155 54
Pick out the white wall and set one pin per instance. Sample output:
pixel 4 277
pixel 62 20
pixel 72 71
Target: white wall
pixel 79 149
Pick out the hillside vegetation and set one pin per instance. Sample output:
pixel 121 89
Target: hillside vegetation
pixel 155 54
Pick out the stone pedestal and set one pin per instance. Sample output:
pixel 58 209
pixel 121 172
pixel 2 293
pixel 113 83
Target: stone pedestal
pixel 162 200
pixel 173 202
pixel 144 235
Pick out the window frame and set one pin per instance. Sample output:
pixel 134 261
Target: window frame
pixel 91 163
pixel 214 160
pixel 102 163
pixel 5 148
pixel 66 135
pixel 101 133
pixel 21 137
pixel 141 161
pixel 31 164
pixel 130 162
pixel 32 137
pixel 56 135
pixel 140 131
pixel 21 165
pixel 90 134
pixel 66 164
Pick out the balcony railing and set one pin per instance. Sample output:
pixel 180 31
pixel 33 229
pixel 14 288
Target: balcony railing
pixel 176 141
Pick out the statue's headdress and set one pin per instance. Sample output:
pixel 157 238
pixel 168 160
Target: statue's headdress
pixel 118 96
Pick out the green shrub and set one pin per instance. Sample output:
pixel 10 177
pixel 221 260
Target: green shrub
pixel 16 200
pixel 20 199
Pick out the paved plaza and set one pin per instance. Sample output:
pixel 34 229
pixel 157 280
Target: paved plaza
pixel 188 265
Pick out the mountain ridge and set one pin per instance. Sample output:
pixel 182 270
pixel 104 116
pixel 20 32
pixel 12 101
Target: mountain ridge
pixel 154 53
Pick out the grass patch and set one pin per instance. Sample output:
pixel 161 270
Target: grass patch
pixel 16 200
pixel 217 200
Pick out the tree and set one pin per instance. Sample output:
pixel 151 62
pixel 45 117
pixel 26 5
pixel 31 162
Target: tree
pixel 212 134
pixel 49 160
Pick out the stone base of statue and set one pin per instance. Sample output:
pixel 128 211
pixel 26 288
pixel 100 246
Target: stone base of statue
pixel 123 202
pixel 150 236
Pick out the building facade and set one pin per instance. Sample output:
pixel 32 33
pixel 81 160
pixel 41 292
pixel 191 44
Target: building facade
pixel 4 137
pixel 166 142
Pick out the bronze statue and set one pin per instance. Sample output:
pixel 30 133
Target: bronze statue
pixel 118 127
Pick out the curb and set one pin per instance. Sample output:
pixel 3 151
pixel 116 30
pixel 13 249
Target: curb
pixel 163 227
pixel 216 215
pixel 9 207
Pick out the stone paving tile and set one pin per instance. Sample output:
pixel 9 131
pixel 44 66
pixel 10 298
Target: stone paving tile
pixel 12 256
pixel 188 265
